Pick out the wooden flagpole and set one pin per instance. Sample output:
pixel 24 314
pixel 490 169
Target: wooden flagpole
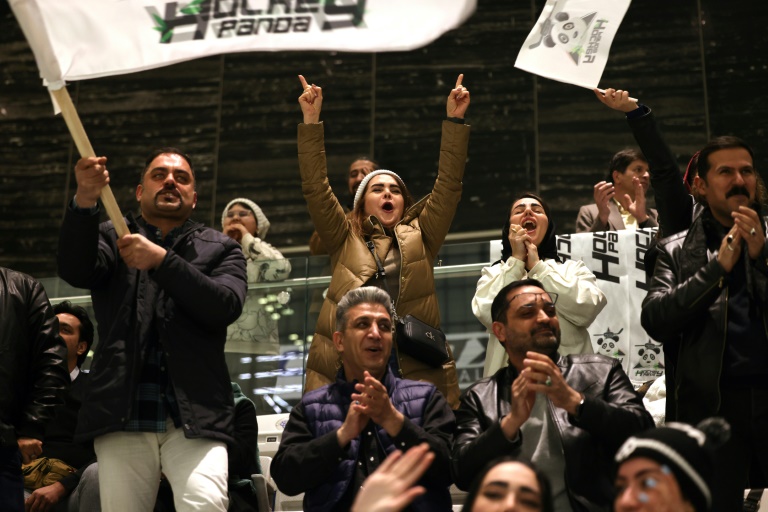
pixel 77 131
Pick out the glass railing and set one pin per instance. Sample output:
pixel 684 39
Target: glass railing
pixel 266 353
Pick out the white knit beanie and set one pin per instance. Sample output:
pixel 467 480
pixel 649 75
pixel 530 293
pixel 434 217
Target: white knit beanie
pixel 364 183
pixel 261 219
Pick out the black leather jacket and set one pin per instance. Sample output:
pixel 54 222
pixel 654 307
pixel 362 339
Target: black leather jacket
pixel 33 367
pixel 686 309
pixel 612 411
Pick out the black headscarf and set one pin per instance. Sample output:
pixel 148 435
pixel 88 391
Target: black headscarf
pixel 548 247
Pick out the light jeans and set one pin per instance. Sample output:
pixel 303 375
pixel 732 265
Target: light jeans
pixel 130 464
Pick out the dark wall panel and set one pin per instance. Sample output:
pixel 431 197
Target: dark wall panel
pixel 702 70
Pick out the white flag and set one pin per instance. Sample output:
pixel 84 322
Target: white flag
pixel 80 39
pixel 571 40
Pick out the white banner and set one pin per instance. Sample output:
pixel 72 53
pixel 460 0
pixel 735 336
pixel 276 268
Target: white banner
pixel 571 40
pixel 75 40
pixel 616 259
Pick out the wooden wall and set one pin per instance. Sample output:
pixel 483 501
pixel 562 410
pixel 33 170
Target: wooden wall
pixel 701 65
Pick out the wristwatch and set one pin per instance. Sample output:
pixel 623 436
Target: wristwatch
pixel 579 408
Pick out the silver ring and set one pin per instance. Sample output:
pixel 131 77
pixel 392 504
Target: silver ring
pixel 729 247
pixel 548 382
pixel 753 232
pixel 357 402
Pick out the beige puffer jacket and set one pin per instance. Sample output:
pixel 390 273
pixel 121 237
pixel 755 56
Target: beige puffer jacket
pixel 420 235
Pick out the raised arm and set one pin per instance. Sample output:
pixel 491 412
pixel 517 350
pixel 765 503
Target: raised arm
pixel 673 202
pixel 311 101
pixel 327 214
pixel 436 217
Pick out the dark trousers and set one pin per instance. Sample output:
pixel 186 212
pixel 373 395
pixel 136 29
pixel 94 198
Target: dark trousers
pixel 11 481
pixel 743 461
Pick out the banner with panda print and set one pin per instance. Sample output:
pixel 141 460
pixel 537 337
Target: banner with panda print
pixel 616 259
pixel 571 40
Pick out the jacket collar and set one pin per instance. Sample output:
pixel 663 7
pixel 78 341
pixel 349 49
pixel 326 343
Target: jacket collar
pixel 348 387
pixel 510 372
pixel 139 225
pixel 372 225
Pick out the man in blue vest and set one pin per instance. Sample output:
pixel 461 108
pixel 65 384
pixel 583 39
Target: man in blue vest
pixel 340 433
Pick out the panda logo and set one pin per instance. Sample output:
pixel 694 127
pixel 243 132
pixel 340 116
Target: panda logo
pixel 608 343
pixel 566 32
pixel 569 33
pixel 648 355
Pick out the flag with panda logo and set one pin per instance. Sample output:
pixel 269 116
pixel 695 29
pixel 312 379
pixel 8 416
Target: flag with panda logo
pixel 571 40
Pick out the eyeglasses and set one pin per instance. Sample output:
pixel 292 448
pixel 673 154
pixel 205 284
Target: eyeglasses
pixel 530 299
pixel 240 213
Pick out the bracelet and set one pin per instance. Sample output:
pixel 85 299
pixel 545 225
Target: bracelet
pixel 457 120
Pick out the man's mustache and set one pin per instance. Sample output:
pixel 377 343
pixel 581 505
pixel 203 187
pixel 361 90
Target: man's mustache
pixel 736 191
pixel 168 189
pixel 544 330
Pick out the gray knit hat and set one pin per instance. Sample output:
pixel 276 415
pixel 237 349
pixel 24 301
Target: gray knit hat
pixel 261 219
pixel 364 183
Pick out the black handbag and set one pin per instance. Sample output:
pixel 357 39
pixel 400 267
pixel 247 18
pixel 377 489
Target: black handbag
pixel 421 341
pixel 414 337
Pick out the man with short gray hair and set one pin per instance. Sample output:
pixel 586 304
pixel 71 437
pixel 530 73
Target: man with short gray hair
pixel 340 433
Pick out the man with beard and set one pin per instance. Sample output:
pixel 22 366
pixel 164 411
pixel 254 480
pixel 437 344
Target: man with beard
pixel 707 302
pixel 566 414
pixel 160 394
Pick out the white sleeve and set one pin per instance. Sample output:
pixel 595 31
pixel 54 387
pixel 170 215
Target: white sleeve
pixel 271 263
pixel 492 280
pixel 579 298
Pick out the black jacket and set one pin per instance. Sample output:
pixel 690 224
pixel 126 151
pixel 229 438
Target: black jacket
pixel 33 367
pixel 686 309
pixel 612 411
pixel 197 291
pixel 673 202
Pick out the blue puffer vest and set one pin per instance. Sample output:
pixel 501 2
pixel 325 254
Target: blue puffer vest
pixel 325 410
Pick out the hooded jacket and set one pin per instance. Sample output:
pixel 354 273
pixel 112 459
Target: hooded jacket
pixel 193 295
pixel 420 234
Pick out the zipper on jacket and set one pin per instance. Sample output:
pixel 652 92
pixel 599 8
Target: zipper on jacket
pixel 556 424
pixel 719 284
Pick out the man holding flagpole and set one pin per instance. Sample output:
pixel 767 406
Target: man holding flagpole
pixel 160 397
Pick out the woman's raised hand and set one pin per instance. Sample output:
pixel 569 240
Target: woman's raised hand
pixel 458 100
pixel 311 101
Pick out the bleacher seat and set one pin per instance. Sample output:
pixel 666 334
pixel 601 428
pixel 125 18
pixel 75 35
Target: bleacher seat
pixel 285 502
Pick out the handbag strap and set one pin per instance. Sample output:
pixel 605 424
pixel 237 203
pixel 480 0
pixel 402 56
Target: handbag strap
pixel 382 274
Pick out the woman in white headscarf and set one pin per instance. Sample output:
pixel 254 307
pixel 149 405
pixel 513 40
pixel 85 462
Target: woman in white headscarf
pixel 529 251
